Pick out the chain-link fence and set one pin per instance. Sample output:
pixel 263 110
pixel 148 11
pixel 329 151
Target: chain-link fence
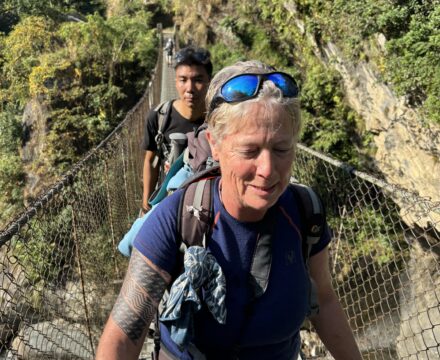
pixel 384 259
pixel 59 267
pixel 60 271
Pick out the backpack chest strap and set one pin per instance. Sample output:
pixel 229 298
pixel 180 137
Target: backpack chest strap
pixel 262 258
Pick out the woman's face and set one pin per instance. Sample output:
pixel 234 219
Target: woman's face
pixel 255 161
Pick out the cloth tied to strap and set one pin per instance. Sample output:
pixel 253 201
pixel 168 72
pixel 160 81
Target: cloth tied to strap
pixel 202 272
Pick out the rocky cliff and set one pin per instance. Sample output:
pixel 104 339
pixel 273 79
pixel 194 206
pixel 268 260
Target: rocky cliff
pixel 407 147
pixel 34 122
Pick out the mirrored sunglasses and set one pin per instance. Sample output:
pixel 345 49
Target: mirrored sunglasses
pixel 247 86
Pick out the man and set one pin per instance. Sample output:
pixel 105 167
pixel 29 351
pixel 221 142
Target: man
pixel 169 47
pixel 193 73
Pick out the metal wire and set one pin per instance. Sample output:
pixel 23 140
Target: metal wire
pixel 60 271
pixel 385 259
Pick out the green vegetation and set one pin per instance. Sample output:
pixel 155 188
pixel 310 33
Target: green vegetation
pixel 286 35
pixel 11 169
pixel 263 30
pixel 83 75
pixel 88 72
pixel 412 29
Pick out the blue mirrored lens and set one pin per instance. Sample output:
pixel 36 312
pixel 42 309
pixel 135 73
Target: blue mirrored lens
pixel 239 88
pixel 285 83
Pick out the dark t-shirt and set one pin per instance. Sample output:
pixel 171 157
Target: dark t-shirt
pixel 271 329
pixel 177 124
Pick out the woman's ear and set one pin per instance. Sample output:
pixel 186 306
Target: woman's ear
pixel 213 144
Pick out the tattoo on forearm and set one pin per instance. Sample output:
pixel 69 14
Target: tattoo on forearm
pixel 140 294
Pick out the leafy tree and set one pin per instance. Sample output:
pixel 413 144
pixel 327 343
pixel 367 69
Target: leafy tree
pixel 414 65
pixel 91 86
pixel 11 169
pixel 12 11
pixel 30 38
pixel 87 74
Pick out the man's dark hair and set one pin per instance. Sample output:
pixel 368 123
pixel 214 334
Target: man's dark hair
pixel 191 55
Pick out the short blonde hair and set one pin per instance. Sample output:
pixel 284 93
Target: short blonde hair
pixel 225 118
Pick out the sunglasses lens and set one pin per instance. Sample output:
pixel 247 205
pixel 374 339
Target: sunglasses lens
pixel 285 83
pixel 240 88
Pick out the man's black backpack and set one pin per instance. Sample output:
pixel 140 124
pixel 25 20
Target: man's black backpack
pixel 163 112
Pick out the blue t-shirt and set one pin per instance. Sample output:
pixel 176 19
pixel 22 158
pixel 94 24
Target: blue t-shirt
pixel 267 329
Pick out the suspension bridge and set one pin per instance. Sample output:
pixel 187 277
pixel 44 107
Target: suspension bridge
pixel 60 270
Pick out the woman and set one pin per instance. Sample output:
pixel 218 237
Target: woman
pixel 253 124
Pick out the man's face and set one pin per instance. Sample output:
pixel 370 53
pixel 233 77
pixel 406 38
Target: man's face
pixel 192 83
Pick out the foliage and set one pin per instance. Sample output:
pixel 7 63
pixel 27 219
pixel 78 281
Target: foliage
pixel 22 48
pixel 87 75
pixel 194 18
pixel 414 62
pixel 12 11
pixel 412 29
pixel 11 182
pixel 11 168
pixel 222 55
pixel 328 124
pixel 91 86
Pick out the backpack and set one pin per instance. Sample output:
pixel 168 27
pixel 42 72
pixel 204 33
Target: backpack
pixel 165 153
pixel 163 112
pixel 196 217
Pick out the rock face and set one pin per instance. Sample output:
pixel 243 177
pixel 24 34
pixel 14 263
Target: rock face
pixel 34 142
pixel 407 149
pixel 57 339
pixel 419 332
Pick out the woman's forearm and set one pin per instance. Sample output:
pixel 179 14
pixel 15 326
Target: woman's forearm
pixel 134 309
pixel 115 344
pixel 332 327
pixel 331 323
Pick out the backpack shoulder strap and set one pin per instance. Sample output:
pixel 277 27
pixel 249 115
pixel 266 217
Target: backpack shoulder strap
pixel 196 211
pixel 163 112
pixel 313 216
pixel 313 221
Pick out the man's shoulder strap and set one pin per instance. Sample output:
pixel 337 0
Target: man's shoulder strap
pixel 312 215
pixel 163 111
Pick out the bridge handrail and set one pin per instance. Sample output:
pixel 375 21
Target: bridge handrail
pixel 59 263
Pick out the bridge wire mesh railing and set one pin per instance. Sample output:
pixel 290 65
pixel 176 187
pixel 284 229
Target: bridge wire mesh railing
pixel 59 266
pixel 384 259
pixel 60 271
